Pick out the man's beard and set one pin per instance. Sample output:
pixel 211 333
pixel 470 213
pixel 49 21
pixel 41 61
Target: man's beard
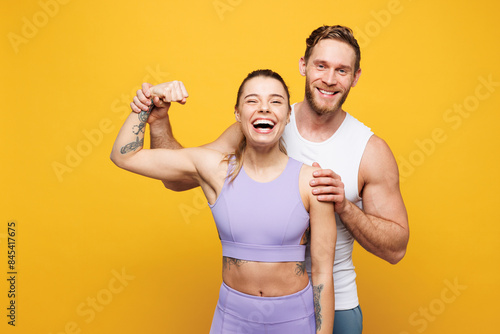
pixel 324 110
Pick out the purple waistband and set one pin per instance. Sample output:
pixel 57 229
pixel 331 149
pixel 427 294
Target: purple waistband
pixel 266 310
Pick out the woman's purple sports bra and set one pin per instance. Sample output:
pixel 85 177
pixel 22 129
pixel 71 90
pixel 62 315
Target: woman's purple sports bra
pixel 262 222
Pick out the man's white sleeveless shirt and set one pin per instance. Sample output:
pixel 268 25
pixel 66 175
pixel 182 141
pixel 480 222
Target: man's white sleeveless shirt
pixel 341 153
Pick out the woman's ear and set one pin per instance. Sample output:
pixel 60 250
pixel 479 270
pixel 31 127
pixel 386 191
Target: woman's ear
pixel 237 115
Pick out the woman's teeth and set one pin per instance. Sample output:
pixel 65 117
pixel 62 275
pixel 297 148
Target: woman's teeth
pixel 263 123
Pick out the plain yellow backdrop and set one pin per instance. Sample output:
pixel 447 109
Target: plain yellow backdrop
pixel 101 250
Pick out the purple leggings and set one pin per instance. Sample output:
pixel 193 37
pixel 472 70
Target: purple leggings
pixel 239 313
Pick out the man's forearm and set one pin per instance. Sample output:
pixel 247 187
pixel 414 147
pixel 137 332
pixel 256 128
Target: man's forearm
pixel 384 238
pixel 161 135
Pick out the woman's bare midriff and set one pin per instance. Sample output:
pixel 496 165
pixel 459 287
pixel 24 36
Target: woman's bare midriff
pixel 265 279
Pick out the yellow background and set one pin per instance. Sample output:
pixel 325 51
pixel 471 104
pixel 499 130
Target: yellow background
pixel 69 70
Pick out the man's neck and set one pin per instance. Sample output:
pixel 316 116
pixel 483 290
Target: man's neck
pixel 314 127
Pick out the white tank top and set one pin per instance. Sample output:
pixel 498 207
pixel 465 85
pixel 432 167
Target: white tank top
pixel 341 153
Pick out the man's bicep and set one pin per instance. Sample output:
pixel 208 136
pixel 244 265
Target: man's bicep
pixel 381 193
pixel 228 141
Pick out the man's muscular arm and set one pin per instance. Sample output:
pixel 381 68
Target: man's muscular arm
pixel 382 226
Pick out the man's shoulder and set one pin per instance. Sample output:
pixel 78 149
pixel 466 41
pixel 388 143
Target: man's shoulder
pixel 377 145
pixel 354 122
pixel 377 159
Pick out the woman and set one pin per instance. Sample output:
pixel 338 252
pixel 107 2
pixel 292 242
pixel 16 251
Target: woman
pixel 263 207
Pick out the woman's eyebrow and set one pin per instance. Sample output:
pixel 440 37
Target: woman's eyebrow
pixel 257 95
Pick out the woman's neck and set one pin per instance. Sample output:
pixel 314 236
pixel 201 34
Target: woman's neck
pixel 264 165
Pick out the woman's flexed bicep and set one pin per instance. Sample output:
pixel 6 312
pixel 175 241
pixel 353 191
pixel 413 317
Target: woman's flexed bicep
pixel 165 164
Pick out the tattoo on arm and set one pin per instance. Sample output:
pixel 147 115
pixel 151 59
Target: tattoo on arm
pixel 228 261
pixel 136 129
pixel 300 268
pixel 143 117
pixel 317 305
pixel 130 147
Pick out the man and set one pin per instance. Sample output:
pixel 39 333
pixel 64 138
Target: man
pixel 362 180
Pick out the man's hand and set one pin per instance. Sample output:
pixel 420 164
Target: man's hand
pixel 162 94
pixel 328 187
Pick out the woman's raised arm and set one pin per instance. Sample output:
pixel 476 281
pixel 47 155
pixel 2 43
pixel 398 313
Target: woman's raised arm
pixel 160 164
